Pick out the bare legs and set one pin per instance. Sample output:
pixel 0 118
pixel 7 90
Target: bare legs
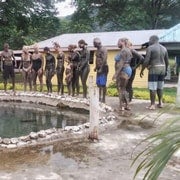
pixel 153 98
pixel 102 94
pixel 84 75
pixel 38 74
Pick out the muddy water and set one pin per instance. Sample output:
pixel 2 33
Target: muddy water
pixel 44 162
pixel 18 119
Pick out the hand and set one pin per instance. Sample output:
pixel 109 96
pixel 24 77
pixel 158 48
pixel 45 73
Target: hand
pixel 114 77
pixel 141 74
pixel 165 74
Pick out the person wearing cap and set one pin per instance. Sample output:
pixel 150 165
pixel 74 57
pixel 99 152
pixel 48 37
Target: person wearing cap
pixel 83 65
pixel 59 67
pixel 156 61
pixel 26 66
pixel 101 68
pixel 8 62
pixel 37 68
pixel 74 58
pixel 49 68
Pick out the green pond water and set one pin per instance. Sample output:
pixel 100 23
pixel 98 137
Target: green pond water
pixel 19 119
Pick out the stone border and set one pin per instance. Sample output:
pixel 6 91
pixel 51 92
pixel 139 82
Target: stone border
pixel 106 116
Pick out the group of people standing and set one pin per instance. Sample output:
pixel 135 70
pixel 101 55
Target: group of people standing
pixel 35 64
pixel 126 62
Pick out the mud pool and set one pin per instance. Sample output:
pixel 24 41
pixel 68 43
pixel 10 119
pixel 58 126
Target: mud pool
pixel 19 119
pixel 73 157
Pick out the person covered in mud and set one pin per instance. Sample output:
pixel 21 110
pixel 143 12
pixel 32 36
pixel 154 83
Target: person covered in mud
pixel 156 61
pixel 26 66
pixel 37 68
pixel 8 62
pixel 123 72
pixel 49 68
pixel 83 65
pixel 74 58
pixel 136 60
pixel 60 67
pixel 101 68
pixel 69 76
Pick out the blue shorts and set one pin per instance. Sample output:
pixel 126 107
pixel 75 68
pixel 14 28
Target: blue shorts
pixel 101 80
pixel 127 70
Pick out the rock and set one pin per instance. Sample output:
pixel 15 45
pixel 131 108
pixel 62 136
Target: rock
pixel 72 128
pixel 21 144
pixel 3 145
pixel 87 125
pixel 11 146
pixel 6 141
pixel 33 135
pixel 42 134
pixel 14 140
pixel 49 131
pixel 34 142
pixel 25 138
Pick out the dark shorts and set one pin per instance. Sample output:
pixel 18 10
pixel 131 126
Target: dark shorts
pixel 8 71
pixel 156 78
pixel 101 80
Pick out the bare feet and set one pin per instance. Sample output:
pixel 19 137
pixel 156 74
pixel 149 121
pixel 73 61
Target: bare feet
pixel 160 105
pixel 151 107
pixel 127 108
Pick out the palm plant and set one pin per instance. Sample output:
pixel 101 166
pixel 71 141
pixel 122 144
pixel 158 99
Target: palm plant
pixel 161 146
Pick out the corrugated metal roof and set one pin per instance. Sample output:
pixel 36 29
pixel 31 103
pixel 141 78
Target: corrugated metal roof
pixel 109 39
pixel 171 35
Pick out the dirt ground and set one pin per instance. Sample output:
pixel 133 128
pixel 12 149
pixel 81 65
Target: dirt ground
pixel 79 159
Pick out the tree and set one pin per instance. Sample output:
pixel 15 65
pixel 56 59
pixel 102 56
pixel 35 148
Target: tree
pixel 26 21
pixel 116 15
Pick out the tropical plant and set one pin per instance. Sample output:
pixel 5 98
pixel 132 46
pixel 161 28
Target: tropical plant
pixel 159 150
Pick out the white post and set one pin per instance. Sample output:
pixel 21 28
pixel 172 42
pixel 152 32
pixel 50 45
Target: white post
pixel 94 109
pixel 178 93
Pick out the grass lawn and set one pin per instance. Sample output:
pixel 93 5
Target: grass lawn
pixel 139 93
pixel 169 95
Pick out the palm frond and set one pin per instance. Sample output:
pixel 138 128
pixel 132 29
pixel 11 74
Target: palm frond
pixel 159 150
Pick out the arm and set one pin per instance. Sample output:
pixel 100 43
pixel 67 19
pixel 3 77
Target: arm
pixel 137 56
pixel 14 59
pixel 1 62
pixel 85 61
pixel 54 62
pixel 146 62
pixel 104 59
pixel 166 59
pixel 42 59
pixel 21 62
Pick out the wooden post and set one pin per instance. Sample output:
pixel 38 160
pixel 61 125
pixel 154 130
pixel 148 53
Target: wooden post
pixel 94 110
pixel 178 93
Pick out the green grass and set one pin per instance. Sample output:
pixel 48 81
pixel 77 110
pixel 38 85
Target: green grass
pixel 169 94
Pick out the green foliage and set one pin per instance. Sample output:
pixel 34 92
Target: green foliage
pixel 115 15
pixel 26 21
pixel 160 148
